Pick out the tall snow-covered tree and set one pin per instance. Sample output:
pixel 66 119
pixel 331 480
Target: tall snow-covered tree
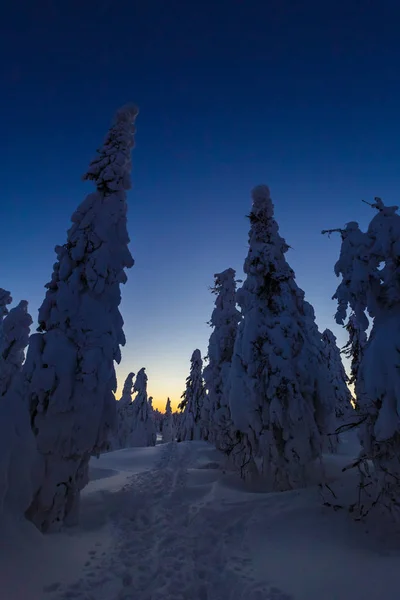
pixel 16 330
pixel 158 419
pixel 191 426
pixel 224 319
pixel 151 410
pixel 143 430
pixel 18 454
pixel 127 390
pixel 5 300
pixel 70 363
pixel 168 430
pixel 371 283
pixel 280 398
pixel 337 377
pixel 354 348
pixel 120 436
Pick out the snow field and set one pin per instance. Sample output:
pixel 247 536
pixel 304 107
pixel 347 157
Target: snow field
pixel 167 522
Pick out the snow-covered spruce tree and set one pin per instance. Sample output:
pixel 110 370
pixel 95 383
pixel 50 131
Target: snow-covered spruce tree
pixel 70 364
pixel 371 282
pixel 16 330
pixel 158 419
pixel 18 454
pixel 354 349
pixel 191 426
pixel 5 300
pixel 224 319
pixel 337 377
pixel 120 436
pixel 127 390
pixel 154 434
pixel 168 430
pixel 280 398
pixel 143 428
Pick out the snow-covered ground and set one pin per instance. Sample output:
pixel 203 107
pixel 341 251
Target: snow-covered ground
pixel 166 522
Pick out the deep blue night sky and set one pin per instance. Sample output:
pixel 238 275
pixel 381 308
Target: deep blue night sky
pixel 303 96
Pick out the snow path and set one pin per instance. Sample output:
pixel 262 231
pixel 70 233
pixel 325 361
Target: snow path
pixel 172 541
pixel 167 523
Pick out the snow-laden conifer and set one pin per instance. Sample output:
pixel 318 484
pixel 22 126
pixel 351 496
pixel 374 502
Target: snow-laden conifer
pixel 143 428
pixel 354 348
pixel 120 436
pixel 371 283
pixel 152 418
pixel 16 330
pixel 337 377
pixel 280 399
pixel 158 419
pixel 5 300
pixel 224 320
pixel 127 390
pixel 168 431
pixel 18 456
pixel 70 364
pixel 191 426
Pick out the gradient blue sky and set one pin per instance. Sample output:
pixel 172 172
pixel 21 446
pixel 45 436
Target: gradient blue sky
pixel 301 95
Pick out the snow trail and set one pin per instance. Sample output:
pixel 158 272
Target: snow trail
pixel 172 541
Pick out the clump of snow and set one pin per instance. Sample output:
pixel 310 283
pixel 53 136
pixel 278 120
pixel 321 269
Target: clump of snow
pixel 192 425
pixel 168 429
pixel 279 394
pixel 224 319
pixel 70 364
pixel 16 330
pixel 143 431
pixel 337 377
pixel 371 284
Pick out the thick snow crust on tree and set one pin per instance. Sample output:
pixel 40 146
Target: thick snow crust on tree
pixel 143 426
pixel 70 364
pixel 191 425
pixel 224 319
pixel 16 330
pixel 371 284
pixel 279 394
pixel 168 429
pixel 337 377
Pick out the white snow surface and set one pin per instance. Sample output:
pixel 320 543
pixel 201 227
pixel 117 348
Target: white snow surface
pixel 166 523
